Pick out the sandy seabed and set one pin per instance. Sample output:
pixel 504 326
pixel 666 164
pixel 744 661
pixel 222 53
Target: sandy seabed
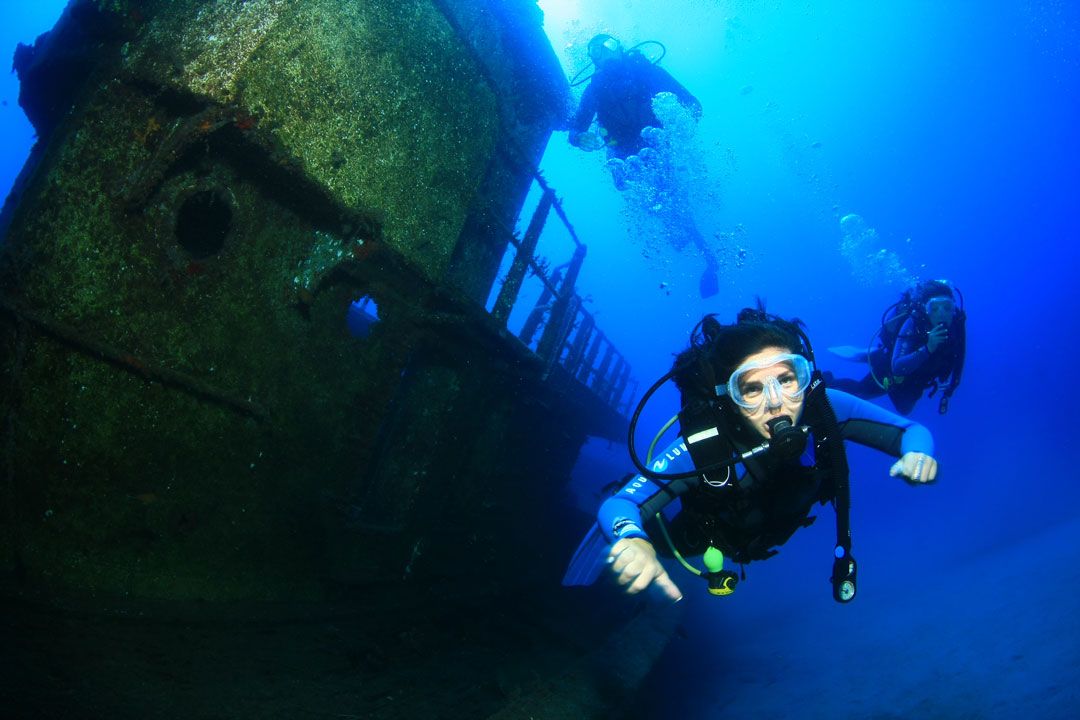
pixel 998 637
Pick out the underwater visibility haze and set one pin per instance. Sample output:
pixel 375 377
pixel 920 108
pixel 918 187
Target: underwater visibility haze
pixel 301 423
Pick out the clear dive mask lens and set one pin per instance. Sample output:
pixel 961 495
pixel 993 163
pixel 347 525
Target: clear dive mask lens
pixel 767 382
pixel 940 304
pixel 600 50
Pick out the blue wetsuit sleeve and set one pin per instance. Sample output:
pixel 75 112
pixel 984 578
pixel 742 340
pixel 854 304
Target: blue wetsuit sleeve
pixel 868 424
pixel 620 516
pixel 910 352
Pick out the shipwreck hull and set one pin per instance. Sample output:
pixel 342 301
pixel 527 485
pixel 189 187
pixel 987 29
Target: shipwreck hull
pixel 192 433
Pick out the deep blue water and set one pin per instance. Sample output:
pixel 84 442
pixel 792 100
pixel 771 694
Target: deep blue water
pixel 19 22
pixel 951 129
pixel 951 132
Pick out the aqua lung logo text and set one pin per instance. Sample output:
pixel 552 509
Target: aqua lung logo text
pixel 661 464
pixel 634 485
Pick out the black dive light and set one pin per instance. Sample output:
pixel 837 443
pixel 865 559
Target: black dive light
pixel 844 573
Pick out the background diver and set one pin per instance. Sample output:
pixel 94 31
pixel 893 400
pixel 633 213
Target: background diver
pixel 920 346
pixel 762 442
pixel 620 97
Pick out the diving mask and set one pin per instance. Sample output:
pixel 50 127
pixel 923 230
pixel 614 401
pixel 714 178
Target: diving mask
pixel 785 376
pixel 941 304
pixel 603 46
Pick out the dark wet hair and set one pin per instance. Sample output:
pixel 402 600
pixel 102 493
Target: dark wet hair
pixel 931 289
pixel 716 350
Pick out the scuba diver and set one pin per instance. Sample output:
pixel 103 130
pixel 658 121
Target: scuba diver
pixel 920 346
pixel 620 97
pixel 762 441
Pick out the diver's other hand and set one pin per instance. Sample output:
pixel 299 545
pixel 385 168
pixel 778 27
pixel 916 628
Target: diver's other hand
pixel 635 565
pixel 587 141
pixel 937 337
pixel 915 467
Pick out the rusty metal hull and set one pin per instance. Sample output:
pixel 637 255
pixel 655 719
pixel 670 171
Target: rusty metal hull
pixel 191 433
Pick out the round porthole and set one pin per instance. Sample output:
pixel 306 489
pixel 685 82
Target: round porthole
pixel 203 223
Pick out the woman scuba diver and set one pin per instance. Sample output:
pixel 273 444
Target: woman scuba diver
pixel 762 440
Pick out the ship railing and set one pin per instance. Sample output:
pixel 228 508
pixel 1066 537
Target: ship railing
pixel 538 302
pixel 553 322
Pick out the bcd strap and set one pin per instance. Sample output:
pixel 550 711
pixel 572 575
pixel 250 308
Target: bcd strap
pixel 957 364
pixel 705 440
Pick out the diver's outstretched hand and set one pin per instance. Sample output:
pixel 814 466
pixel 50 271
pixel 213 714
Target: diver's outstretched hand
pixel 634 562
pixel 587 141
pixel 916 468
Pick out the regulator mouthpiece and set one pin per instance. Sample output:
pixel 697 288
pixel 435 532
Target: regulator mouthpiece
pixel 787 439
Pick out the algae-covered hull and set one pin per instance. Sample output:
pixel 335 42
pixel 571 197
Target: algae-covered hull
pixel 193 436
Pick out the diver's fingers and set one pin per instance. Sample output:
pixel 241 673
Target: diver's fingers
pixel 628 557
pixel 620 558
pixel 912 466
pixel 638 574
pixel 647 572
pixel 917 468
pixel 625 544
pixel 641 581
pixel 618 547
pixel 931 469
pixel 626 568
pixel 634 563
pixel 925 469
pixel 664 582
